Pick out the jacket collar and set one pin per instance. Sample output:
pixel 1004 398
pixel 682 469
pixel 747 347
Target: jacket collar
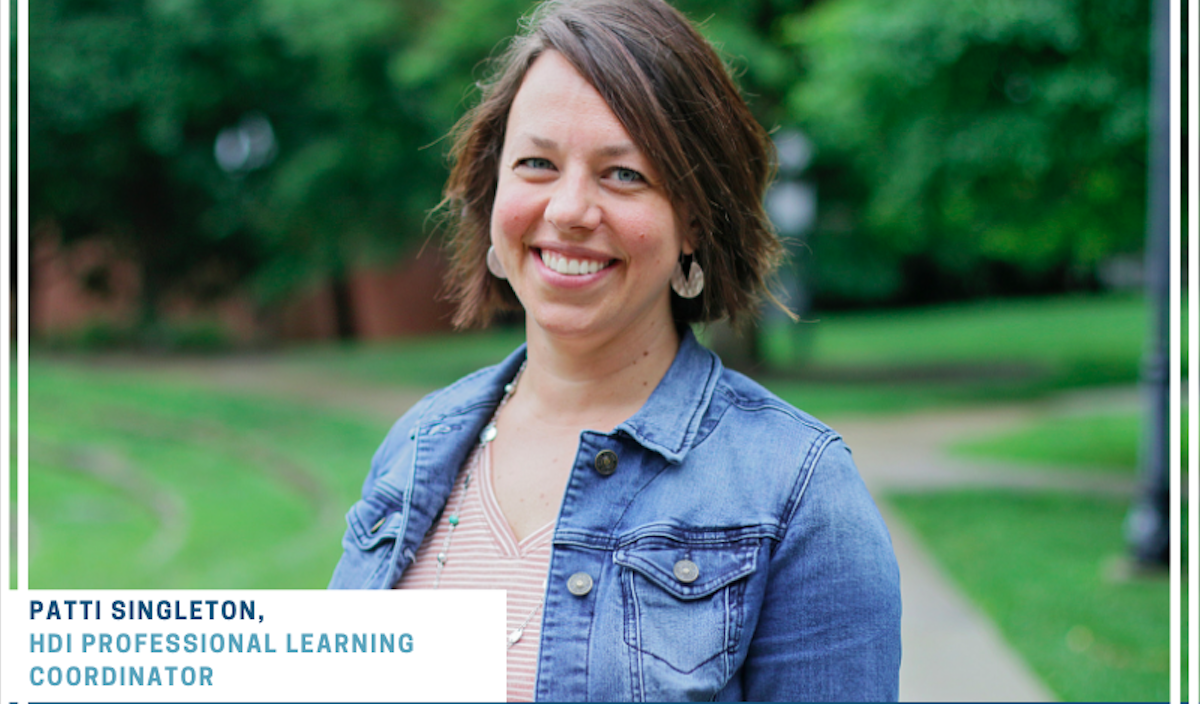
pixel 667 424
pixel 670 420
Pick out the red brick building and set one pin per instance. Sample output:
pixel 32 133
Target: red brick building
pixel 90 283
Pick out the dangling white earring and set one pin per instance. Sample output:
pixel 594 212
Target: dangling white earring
pixel 494 265
pixel 691 286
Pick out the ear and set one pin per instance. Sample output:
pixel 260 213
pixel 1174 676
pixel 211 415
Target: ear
pixel 690 239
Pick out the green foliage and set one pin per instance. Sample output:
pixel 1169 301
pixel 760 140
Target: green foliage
pixel 954 139
pixel 129 98
pixel 1038 564
pixel 974 146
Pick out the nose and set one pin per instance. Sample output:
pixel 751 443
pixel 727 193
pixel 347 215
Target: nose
pixel 573 203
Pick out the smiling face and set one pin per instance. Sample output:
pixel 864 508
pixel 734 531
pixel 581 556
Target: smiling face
pixel 581 222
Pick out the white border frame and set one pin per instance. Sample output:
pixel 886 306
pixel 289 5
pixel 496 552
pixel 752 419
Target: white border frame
pixel 1193 293
pixel 1176 374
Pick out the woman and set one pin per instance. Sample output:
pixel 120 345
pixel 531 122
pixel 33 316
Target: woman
pixel 667 529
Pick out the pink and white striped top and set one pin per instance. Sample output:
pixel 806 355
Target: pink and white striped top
pixel 485 554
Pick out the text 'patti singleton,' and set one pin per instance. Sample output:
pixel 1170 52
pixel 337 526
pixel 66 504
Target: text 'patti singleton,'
pixel 144 609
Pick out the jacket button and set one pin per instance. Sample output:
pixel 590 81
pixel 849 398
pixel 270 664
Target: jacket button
pixel 580 584
pixel 606 462
pixel 686 571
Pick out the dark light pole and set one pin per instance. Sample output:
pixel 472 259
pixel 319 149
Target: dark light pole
pixel 1147 526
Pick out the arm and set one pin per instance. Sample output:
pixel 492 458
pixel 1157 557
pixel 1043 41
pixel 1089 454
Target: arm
pixel 829 628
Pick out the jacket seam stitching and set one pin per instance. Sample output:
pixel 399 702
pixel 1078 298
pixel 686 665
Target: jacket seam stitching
pixel 748 404
pixel 807 468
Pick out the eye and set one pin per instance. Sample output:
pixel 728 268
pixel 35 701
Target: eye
pixel 535 162
pixel 625 175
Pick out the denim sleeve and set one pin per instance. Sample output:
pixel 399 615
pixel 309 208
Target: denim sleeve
pixel 829 629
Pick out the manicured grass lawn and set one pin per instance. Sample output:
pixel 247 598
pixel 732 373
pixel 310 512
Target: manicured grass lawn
pixel 140 483
pixel 425 363
pixel 1183 613
pixel 830 400
pixel 1036 563
pixel 1080 442
pixel 880 362
pixel 1096 338
pixel 136 484
pixel 1105 442
pixel 1009 350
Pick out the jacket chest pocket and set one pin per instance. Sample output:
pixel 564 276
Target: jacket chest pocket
pixel 683 600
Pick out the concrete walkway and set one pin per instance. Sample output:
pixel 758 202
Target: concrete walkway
pixel 952 652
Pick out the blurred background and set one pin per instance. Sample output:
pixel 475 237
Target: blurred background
pixel 235 289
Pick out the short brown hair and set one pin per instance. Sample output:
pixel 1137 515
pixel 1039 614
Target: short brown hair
pixel 672 94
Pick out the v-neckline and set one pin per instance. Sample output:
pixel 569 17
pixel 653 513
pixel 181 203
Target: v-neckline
pixel 499 527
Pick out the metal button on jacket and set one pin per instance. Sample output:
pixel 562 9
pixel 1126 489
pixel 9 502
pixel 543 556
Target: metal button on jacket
pixel 580 583
pixel 686 571
pixel 606 462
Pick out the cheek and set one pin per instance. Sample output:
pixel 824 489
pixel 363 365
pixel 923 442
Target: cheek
pixel 510 217
pixel 654 238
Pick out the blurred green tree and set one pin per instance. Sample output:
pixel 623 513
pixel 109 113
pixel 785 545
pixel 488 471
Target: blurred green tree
pixel 956 141
pixel 969 148
pixel 129 98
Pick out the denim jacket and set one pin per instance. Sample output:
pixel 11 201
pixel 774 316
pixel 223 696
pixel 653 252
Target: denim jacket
pixel 733 550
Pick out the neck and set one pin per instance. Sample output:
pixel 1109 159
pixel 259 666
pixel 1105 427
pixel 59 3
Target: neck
pixel 596 385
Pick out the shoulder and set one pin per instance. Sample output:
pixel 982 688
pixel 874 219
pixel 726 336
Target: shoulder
pixel 780 437
pixel 437 412
pixel 812 459
pixel 743 452
pixel 745 395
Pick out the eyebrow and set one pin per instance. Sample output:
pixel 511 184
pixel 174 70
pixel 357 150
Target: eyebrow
pixel 612 150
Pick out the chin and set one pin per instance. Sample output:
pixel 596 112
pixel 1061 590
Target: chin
pixel 566 330
pixel 563 321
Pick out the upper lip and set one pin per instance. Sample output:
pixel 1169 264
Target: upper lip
pixel 573 252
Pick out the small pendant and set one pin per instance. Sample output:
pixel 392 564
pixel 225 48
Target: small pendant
pixel 515 636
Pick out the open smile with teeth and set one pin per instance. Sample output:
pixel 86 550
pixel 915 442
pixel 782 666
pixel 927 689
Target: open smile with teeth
pixel 572 267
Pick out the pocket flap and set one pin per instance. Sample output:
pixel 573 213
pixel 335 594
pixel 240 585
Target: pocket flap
pixel 689 570
pixel 375 518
